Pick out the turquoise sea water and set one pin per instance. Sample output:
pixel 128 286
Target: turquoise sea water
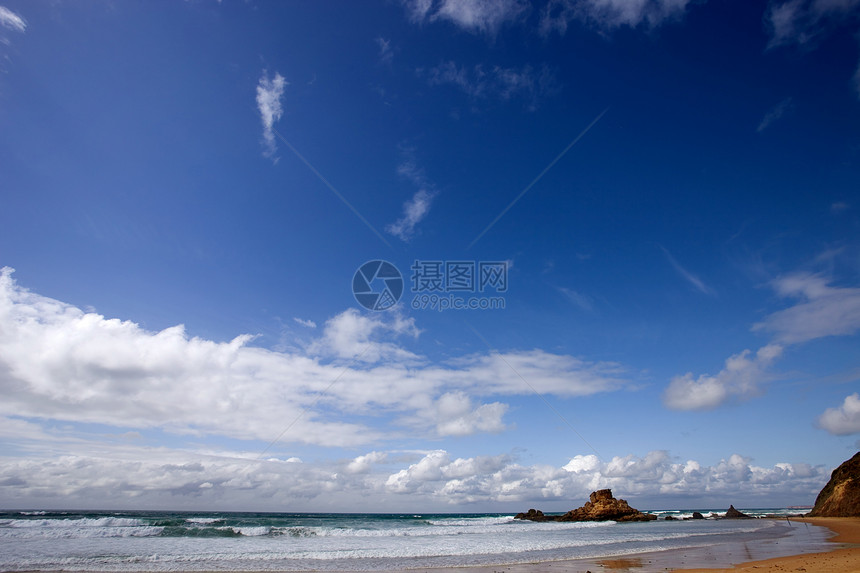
pixel 201 541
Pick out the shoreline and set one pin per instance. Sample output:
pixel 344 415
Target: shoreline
pixel 838 560
pixel 732 557
pixel 704 559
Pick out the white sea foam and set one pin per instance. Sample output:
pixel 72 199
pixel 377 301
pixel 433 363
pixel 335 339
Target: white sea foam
pixel 336 543
pixel 252 531
pixel 80 533
pixel 446 527
pixel 81 522
pixel 100 527
pixel 473 521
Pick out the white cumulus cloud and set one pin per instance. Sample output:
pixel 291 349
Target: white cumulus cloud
pixel 125 476
pixel 741 378
pixel 353 335
pixel 843 420
pixel 60 363
pixel 363 464
pixel 655 475
pixel 456 416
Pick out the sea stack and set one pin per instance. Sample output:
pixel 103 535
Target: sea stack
pixel 601 506
pixel 733 513
pixel 841 496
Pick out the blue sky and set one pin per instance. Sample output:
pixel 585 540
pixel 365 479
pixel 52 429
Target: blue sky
pixel 189 187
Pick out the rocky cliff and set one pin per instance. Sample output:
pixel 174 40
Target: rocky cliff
pixel 841 496
pixel 601 506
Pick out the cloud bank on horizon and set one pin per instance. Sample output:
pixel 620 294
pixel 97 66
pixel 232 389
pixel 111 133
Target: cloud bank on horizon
pixel 684 300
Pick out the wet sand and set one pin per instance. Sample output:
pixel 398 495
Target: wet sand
pixel 843 560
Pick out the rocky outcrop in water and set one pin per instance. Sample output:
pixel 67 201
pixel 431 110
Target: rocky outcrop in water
pixel 841 496
pixel 733 513
pixel 536 515
pixel 601 506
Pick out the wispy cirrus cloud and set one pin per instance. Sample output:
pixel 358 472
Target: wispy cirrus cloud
pixel 856 80
pixel 476 16
pixel 479 82
pixel 269 94
pixel 418 206
pixel 386 53
pixel 490 16
pixel 805 23
pixel 582 301
pixel 13 23
pixel 417 10
pixel 823 310
pixel 414 210
pixel 11 20
pixel 609 14
pixel 839 207
pixel 775 113
pixel 688 276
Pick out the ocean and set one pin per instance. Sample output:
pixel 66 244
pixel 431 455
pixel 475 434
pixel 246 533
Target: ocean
pixel 203 541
